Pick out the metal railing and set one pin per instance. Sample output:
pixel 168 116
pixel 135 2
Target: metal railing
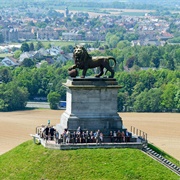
pixel 141 134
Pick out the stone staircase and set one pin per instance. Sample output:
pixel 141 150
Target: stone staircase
pixel 161 159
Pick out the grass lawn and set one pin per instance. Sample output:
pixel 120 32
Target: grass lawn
pixel 3 55
pixel 31 161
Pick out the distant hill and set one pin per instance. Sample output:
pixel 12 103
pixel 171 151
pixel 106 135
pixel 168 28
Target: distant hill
pixel 31 161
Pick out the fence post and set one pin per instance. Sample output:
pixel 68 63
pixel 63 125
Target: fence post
pixel 143 135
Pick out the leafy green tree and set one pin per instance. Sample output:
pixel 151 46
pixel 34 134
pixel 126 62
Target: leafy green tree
pixel 177 56
pixel 155 59
pixel 67 49
pixel 108 36
pixel 172 28
pixel 38 45
pixel 19 101
pixel 161 77
pixel 130 62
pixel 177 100
pixel 17 54
pixel 130 37
pixel 147 78
pixel 41 24
pixel 96 44
pixel 168 96
pixel 12 97
pixel 127 81
pixel 123 44
pixel 26 77
pixel 113 41
pixel 144 58
pixel 95 22
pixel 154 101
pixel 142 102
pixel 28 62
pixel 5 75
pixel 138 88
pixel 53 99
pixel 3 105
pixel 170 61
pixel 49 46
pixel 121 102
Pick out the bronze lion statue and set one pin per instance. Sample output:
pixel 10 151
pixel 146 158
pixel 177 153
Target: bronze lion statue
pixel 85 61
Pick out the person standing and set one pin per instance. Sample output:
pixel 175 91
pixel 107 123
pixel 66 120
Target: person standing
pixel 68 136
pixel 123 136
pixel 57 137
pixel 64 137
pixel 119 136
pixel 52 130
pixel 127 136
pixel 111 136
pixel 97 136
pixel 74 137
pixel 46 131
pixel 91 137
pixel 101 137
pixel 115 136
pixel 87 138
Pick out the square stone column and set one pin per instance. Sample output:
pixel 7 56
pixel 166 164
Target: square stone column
pixel 91 103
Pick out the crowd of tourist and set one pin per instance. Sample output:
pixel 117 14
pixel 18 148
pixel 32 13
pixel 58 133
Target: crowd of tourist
pixel 80 136
pixel 118 136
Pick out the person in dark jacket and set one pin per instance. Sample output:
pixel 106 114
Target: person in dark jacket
pixel 52 130
pixel 46 132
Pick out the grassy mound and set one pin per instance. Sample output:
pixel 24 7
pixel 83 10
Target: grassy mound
pixel 164 154
pixel 31 161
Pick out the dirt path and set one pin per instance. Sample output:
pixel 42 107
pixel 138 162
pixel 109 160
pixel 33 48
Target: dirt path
pixel 162 129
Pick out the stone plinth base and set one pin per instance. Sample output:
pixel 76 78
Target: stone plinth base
pixel 51 145
pixel 91 104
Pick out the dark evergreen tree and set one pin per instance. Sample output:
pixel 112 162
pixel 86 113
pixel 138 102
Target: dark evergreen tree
pixel 31 47
pixel 25 47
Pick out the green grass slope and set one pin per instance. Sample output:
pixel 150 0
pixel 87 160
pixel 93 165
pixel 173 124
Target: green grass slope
pixel 30 161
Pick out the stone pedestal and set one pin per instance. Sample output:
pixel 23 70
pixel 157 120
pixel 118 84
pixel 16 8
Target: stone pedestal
pixel 91 103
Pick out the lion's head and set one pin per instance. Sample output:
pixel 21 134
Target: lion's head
pixel 80 54
pixel 78 51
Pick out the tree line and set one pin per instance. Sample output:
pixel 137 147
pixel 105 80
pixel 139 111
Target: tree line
pixel 154 90
pixel 142 91
pixel 21 84
pixel 136 57
pixel 149 91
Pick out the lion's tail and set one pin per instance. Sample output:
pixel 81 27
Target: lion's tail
pixel 113 60
pixel 114 63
